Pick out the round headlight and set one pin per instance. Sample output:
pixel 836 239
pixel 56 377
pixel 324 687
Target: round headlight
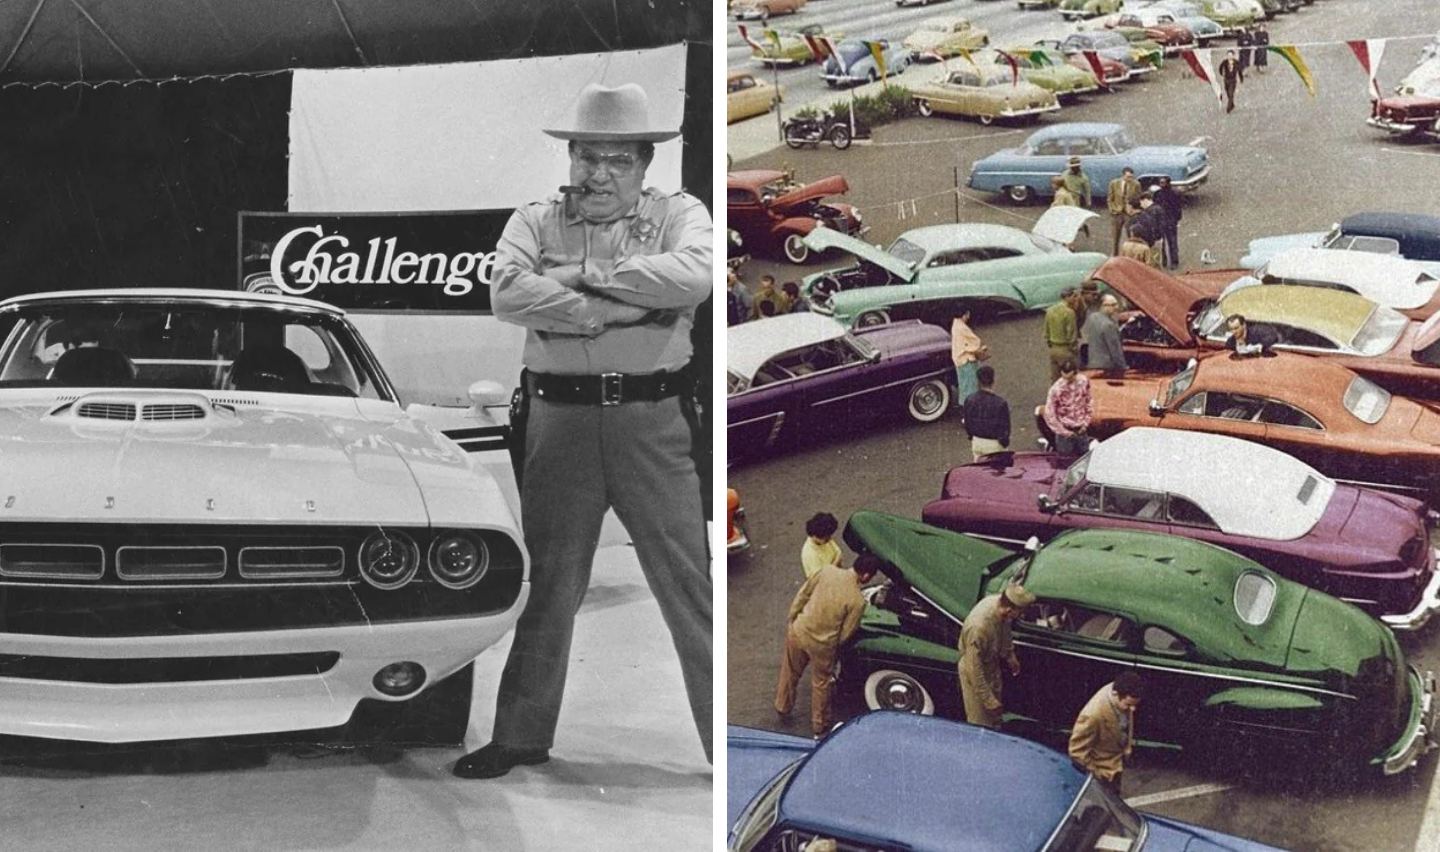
pixel 388 560
pixel 458 559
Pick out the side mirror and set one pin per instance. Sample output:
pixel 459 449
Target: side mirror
pixel 1156 409
pixel 1046 505
pixel 874 356
pixel 1032 544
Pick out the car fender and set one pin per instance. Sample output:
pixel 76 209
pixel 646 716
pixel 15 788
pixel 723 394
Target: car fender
pixel 1262 699
pixel 801 225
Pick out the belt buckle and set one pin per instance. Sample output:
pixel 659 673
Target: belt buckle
pixel 610 387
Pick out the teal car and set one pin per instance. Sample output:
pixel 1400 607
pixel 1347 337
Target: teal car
pixel 1232 653
pixel 1074 10
pixel 1049 69
pixel 937 272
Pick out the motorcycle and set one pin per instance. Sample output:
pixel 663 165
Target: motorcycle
pixel 812 130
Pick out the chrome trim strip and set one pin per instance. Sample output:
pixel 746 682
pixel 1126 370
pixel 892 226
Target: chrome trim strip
pixel 274 572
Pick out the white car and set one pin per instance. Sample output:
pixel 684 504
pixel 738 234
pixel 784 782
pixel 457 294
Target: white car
pixel 219 520
pixel 1389 280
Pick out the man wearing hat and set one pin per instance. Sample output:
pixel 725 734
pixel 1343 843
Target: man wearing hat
pixel 605 277
pixel 984 643
pixel 1077 181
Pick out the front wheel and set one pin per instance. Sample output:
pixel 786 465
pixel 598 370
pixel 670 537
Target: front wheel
pixel 872 318
pixel 840 137
pixel 795 249
pixel 794 137
pixel 986 120
pixel 1019 194
pixel 890 689
pixel 923 107
pixel 929 400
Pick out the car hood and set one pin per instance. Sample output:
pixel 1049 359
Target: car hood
pixel 1172 835
pixel 1264 248
pixel 753 758
pixel 822 239
pixel 1015 484
pixel 217 463
pixel 1407 102
pixel 1374 525
pixel 833 185
pixel 1164 298
pixel 949 568
pixel 924 40
pixel 1062 224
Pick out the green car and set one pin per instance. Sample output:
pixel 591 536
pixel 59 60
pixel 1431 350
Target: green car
pixel 1050 69
pixel 1229 14
pixel 789 47
pixel 1074 10
pixel 936 272
pixel 1232 653
pixel 1142 47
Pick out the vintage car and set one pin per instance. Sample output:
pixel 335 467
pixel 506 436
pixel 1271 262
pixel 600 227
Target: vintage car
pixel 737 538
pixel 853 63
pixel 784 791
pixel 1074 10
pixel 1409 112
pixel 1415 236
pixel 1233 15
pixel 795 372
pixel 915 2
pixel 1104 150
pixel 1179 318
pixel 790 47
pixel 1047 56
pixel 763 9
pixel 747 95
pixel 1337 421
pixel 221 522
pixel 936 272
pixel 1157 25
pixel 1233 654
pixel 1403 285
pixel 773 212
pixel 1053 71
pixel 1140 59
pixel 945 36
pixel 985 93
pixel 1188 15
pixel 1039 4
pixel 1368 547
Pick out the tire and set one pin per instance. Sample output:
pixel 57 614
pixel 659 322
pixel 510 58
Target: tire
pixel 1019 194
pixel 928 400
pixel 840 137
pixel 869 319
pixel 793 138
pixel 923 107
pixel 795 249
pixel 985 120
pixel 890 689
pixel 872 76
pixel 439 716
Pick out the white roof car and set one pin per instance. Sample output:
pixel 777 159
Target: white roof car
pixel 749 345
pixel 1248 489
pixel 1390 280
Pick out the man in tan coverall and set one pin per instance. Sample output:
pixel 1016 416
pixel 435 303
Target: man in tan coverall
pixel 984 642
pixel 1105 729
pixel 824 614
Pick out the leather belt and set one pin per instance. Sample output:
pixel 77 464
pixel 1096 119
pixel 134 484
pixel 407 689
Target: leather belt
pixel 605 388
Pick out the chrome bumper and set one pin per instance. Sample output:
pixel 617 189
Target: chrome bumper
pixel 1390 125
pixel 1193 182
pixel 1420 615
pixel 1019 113
pixel 1422 737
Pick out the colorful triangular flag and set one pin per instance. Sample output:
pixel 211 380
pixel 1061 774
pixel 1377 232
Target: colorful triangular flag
pixel 1201 64
pixel 1292 56
pixel 1369 51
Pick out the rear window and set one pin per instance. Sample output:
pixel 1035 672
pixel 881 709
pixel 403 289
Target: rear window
pixel 1380 331
pixel 1366 400
pixel 1254 597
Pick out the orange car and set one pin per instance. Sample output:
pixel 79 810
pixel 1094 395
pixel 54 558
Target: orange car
pixel 1176 319
pixel 1340 423
pixel 737 539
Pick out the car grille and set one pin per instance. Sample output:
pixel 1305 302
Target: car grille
pixel 165 669
pixel 171 411
pixel 106 411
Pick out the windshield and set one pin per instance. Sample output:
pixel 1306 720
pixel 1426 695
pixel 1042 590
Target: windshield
pixel 1121 141
pixel 187 346
pixel 1075 473
pixel 1366 400
pixel 907 251
pixel 1178 385
pixel 760 815
pixel 1099 822
pixel 1380 331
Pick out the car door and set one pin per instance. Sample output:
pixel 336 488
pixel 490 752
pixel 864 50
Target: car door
pixel 1067 651
pixel 1219 412
pixel 839 379
pixel 756 413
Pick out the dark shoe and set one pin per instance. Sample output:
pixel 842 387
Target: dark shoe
pixel 495 760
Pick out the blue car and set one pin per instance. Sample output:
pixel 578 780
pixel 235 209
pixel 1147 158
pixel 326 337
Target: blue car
pixel 1104 150
pixel 964 789
pixel 853 63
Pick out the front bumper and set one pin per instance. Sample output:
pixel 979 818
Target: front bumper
pixel 1193 182
pixel 1390 125
pixel 1420 736
pixel 1024 111
pixel 1428 605
pixel 184 709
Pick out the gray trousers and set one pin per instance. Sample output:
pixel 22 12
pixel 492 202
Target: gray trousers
pixel 579 461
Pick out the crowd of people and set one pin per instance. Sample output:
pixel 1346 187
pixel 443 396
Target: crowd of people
pixel 767 301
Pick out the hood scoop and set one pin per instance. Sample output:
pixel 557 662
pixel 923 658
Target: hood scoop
pixel 140 408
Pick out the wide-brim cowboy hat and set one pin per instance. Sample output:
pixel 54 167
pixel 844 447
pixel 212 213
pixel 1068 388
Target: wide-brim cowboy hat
pixel 618 114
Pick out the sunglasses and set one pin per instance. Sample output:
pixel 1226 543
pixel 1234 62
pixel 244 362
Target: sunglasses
pixel 618 165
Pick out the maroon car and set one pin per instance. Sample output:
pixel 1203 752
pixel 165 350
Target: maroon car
pixel 1411 111
pixel 1360 544
pixel 773 213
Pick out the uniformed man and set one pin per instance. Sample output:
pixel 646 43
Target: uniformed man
pixel 606 278
pixel 1062 330
pixel 984 645
pixel 1077 181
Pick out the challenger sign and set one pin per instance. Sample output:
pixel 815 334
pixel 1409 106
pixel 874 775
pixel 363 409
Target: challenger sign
pixel 386 261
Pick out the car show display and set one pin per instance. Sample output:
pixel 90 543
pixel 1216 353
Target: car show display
pixel 773 212
pixel 985 93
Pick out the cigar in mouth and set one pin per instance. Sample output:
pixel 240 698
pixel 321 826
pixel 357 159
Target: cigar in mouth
pixel 576 190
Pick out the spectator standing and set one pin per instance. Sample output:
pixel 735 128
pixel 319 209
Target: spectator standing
pixel 792 292
pixel 1063 196
pixel 966 352
pixel 1148 227
pixel 1167 199
pixel 1062 331
pixel 1077 182
pixel 1087 301
pixel 1231 74
pixel 769 301
pixel 1068 409
pixel 984 644
pixel 987 417
pixel 1261 40
pixel 819 549
pixel 1106 352
pixel 1104 732
pixel 1123 190
pixel 822 617
pixel 1243 40
pixel 1249 338
pixel 739 302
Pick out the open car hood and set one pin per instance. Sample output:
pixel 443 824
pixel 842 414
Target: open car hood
pixel 821 239
pixel 1164 298
pixel 949 568
pixel 833 185
pixel 1062 224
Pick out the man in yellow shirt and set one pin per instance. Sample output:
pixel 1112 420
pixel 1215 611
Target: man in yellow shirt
pixel 820 548
pixel 824 614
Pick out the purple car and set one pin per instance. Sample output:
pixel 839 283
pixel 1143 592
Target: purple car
pixel 1362 545
pixel 797 371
